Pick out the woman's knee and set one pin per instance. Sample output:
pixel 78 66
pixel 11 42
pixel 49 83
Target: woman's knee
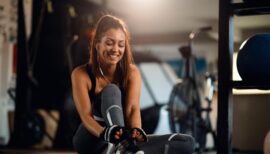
pixel 182 137
pixel 185 139
pixel 183 142
pixel 111 90
pixel 111 95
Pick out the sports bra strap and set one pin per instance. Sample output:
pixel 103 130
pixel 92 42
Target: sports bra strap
pixel 93 80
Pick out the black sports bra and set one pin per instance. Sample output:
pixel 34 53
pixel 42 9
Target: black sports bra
pixel 96 98
pixel 93 80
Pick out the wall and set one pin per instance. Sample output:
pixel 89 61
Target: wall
pixel 168 52
pixel 251 120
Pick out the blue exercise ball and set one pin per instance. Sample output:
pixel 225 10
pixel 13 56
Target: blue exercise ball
pixel 253 60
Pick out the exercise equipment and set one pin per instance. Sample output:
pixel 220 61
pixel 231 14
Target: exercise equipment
pixel 253 58
pixel 32 126
pixel 185 104
pixel 185 112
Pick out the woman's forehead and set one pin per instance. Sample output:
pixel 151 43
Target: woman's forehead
pixel 114 33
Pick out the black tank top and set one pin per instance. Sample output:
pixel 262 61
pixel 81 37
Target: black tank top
pixel 93 80
pixel 96 98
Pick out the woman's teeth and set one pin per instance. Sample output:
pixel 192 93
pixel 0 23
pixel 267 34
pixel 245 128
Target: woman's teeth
pixel 113 56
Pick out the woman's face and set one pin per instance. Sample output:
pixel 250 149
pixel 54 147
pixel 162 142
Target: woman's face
pixel 111 47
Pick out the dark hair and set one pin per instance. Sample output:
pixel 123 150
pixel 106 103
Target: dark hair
pixel 105 23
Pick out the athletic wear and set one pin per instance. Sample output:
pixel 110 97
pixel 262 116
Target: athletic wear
pixel 107 110
pixel 109 133
pixel 96 98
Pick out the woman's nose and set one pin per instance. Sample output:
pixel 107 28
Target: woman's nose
pixel 115 47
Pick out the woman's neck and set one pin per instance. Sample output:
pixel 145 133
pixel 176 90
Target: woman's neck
pixel 108 72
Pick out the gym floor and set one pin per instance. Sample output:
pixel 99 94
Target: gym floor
pixel 21 151
pixel 68 152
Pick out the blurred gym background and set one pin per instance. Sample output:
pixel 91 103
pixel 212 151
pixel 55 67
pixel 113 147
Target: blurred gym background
pixel 41 41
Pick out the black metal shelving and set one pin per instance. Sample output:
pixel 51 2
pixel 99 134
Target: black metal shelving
pixel 227 10
pixel 258 8
pixel 251 85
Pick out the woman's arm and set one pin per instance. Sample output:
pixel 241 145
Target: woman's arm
pixel 133 92
pixel 80 86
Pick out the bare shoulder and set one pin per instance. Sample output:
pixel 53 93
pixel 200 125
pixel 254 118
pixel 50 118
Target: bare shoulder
pixel 134 73
pixel 79 74
pixel 78 71
pixel 134 70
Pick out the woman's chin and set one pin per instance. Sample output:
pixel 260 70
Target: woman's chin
pixel 112 62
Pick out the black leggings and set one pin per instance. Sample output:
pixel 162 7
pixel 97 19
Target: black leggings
pixel 111 109
pixel 85 143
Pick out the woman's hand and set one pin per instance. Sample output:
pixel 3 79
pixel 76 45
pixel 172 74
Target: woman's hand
pixel 139 135
pixel 118 134
pixel 113 134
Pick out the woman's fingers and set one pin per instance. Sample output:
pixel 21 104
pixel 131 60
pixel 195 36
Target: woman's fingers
pixel 137 135
pixel 134 133
pixel 118 134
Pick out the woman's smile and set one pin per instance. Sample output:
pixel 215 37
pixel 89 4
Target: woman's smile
pixel 113 56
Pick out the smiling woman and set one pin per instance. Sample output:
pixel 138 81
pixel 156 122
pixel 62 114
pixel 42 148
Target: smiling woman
pixel 106 93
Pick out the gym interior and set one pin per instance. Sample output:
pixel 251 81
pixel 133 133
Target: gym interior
pixel 204 67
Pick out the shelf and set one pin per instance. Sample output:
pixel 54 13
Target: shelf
pixel 251 85
pixel 227 87
pixel 258 8
pixel 250 92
